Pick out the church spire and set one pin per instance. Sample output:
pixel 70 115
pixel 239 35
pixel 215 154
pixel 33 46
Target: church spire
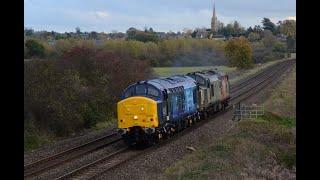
pixel 214 9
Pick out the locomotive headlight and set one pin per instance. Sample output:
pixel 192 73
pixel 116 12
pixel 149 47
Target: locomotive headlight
pixel 135 117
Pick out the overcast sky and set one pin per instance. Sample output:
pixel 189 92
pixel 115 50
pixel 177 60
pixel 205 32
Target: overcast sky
pixel 161 15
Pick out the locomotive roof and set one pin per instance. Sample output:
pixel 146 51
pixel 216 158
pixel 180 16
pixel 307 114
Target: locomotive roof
pixel 172 82
pixel 218 73
pixel 211 75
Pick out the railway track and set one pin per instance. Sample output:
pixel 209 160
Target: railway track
pixel 253 77
pixel 67 155
pixel 238 89
pixel 239 92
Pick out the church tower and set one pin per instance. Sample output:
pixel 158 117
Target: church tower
pixel 214 21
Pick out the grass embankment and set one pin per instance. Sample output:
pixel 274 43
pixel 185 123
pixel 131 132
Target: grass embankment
pixel 260 148
pixel 32 140
pixel 283 99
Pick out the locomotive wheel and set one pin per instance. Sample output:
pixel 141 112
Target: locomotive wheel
pixel 205 114
pixel 194 120
pixel 189 122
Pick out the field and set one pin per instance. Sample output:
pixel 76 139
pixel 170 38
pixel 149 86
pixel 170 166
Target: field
pixel 169 71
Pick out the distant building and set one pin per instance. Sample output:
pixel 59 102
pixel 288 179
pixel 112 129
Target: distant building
pixel 161 35
pixel 282 38
pixel 52 42
pixel 219 37
pixel 202 33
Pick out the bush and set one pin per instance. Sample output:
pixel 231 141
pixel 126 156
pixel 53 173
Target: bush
pixel 253 36
pixel 78 89
pixel 269 40
pixel 34 48
pixel 239 53
pixel 51 95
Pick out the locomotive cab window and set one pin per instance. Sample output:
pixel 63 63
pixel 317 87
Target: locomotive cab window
pixel 194 96
pixel 212 90
pixel 153 92
pixel 164 109
pixel 129 92
pixel 141 90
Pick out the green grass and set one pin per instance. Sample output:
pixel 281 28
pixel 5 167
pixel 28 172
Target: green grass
pixel 250 142
pixel 34 141
pixel 169 71
pixel 283 98
pixel 104 124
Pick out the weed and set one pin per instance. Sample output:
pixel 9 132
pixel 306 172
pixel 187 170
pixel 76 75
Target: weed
pixel 287 157
pixel 221 150
pixel 34 141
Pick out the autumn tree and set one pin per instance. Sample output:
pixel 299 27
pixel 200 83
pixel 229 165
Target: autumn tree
pixel 34 48
pixel 253 36
pixel 144 36
pixel 288 28
pixel 269 40
pixel 239 53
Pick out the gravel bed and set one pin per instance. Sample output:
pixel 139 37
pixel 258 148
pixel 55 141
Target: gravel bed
pixel 78 162
pixel 152 164
pixel 64 144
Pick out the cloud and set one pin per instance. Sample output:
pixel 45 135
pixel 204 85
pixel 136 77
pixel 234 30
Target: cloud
pixel 291 18
pixel 101 14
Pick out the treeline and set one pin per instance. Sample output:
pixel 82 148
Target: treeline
pixel 76 89
pixel 269 42
pixel 181 52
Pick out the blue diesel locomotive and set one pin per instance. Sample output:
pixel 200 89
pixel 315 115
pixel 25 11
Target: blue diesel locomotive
pixel 155 109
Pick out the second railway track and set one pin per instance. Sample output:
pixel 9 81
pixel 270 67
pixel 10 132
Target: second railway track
pixel 52 161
